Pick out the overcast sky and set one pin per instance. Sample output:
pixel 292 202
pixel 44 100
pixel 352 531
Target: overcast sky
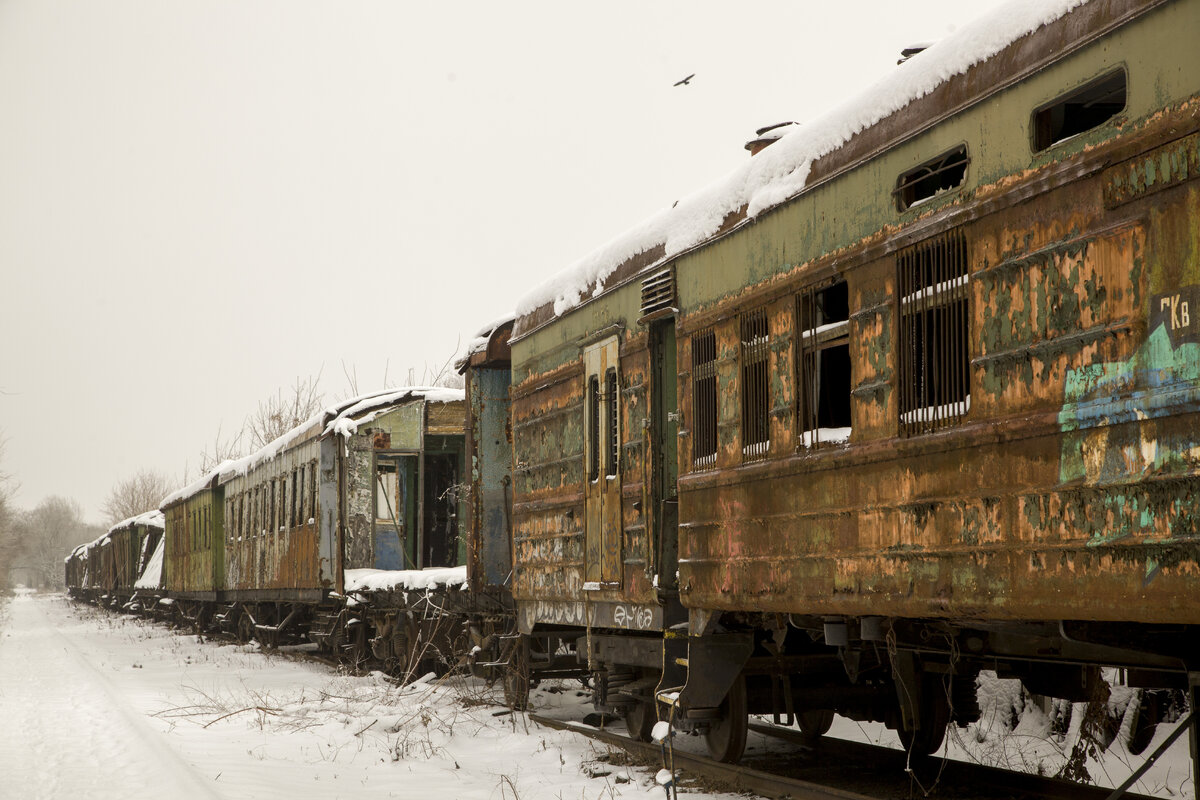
pixel 201 201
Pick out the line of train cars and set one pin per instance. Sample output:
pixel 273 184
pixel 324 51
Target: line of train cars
pixel 913 394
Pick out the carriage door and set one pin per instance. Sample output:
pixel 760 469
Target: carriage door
pixel 663 461
pixel 602 434
pixel 393 511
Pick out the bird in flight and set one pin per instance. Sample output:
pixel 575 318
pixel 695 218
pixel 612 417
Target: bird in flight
pixel 686 81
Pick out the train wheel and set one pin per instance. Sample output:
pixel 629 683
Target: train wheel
pixel 1145 722
pixel 245 628
pixel 640 720
pixel 726 737
pixel 815 722
pixel 934 716
pixel 516 673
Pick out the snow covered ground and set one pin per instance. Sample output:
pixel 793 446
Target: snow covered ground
pixel 97 705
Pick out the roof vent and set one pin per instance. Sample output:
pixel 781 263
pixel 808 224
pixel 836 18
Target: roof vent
pixel 912 50
pixel 765 137
pixel 658 292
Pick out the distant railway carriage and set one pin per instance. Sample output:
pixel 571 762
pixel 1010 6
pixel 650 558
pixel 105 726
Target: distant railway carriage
pixel 922 397
pixel 259 545
pixel 105 569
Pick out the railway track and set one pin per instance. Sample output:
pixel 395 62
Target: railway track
pixel 835 769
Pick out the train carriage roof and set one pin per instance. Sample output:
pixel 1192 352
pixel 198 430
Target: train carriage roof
pixel 342 418
pixel 902 104
pixel 149 519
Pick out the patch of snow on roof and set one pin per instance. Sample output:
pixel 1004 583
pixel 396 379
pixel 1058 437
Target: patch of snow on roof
pixel 334 418
pixel 151 577
pixel 152 519
pixel 376 580
pixel 479 341
pixel 780 172
pixel 347 421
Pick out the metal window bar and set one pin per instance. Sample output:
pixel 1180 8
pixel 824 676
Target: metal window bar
pixel 704 398
pixel 593 401
pixel 934 329
pixel 756 401
pixel 610 404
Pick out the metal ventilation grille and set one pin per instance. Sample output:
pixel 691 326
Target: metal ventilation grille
pixel 658 291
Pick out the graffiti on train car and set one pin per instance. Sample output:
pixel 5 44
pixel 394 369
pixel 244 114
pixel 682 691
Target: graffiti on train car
pixel 1175 311
pixel 623 616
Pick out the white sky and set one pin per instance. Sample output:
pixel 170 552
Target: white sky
pixel 201 201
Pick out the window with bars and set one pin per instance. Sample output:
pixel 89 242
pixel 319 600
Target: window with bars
pixel 704 398
pixel 612 456
pixel 935 378
pixel 593 403
pixel 823 365
pixel 756 385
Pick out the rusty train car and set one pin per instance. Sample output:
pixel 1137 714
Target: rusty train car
pixel 270 546
pixel 105 570
pixel 922 397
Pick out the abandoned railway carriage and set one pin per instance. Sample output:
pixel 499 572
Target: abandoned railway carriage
pixel 922 397
pixel 106 569
pixel 258 545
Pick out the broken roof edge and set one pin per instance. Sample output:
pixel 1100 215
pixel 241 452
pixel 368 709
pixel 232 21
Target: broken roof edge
pixel 838 140
pixel 489 345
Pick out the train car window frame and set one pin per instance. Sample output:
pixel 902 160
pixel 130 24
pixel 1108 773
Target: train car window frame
pixel 704 398
pixel 593 429
pixel 754 352
pixel 612 456
pixel 824 372
pixel 934 178
pixel 1073 113
pixel 933 281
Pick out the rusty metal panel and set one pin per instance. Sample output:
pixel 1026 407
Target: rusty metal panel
pixel 446 419
pixel 1068 492
pixel 490 454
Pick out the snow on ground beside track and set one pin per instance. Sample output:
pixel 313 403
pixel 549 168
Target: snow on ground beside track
pixel 97 706
pixel 1014 733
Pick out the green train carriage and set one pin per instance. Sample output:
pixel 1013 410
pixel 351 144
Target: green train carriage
pixel 922 400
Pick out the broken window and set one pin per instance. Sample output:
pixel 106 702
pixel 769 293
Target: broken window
pixel 935 378
pixel 932 178
pixel 756 395
pixel 823 365
pixel 612 456
pixel 1089 106
pixel 704 398
pixel 387 492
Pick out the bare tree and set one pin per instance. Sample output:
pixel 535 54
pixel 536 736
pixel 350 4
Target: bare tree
pixel 221 451
pixel 10 543
pixel 50 532
pixel 279 414
pixel 137 494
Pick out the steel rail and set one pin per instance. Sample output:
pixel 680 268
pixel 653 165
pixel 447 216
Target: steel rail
pixel 733 776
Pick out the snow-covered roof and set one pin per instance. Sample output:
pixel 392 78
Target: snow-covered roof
pixel 342 418
pixel 780 172
pixel 150 519
pixel 479 342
